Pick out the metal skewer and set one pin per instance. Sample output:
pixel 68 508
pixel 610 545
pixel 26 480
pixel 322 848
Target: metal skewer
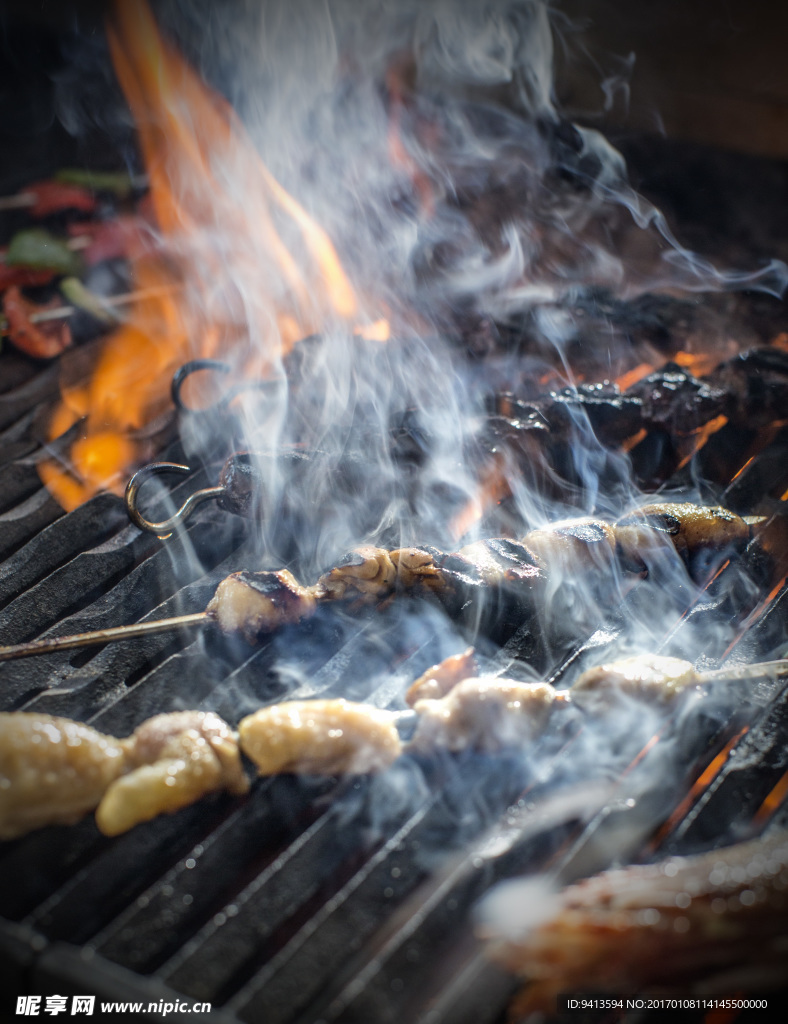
pixel 102 636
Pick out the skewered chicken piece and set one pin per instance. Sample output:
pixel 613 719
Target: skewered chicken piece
pixel 54 771
pixel 712 924
pixel 488 714
pixel 321 737
pixel 438 680
pixel 655 678
pixel 172 760
pixel 505 579
pixel 651 677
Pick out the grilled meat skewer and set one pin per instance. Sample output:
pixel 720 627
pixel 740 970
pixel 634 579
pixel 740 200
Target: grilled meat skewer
pixel 750 390
pixel 507 578
pixel 515 573
pixel 54 771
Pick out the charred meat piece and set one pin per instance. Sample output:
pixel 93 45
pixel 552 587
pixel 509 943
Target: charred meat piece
pixel 487 714
pixel 254 603
pixel 755 383
pixel 675 401
pixel 698 533
pixel 574 545
pixel 52 771
pixel 668 407
pixel 493 585
pixel 173 760
pixel 714 924
pixel 246 476
pixel 320 737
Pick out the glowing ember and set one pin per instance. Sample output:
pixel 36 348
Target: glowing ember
pixel 701 436
pixel 626 380
pixel 773 801
pixel 701 784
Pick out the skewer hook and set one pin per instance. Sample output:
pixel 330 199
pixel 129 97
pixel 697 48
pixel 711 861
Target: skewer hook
pixel 215 366
pixel 165 527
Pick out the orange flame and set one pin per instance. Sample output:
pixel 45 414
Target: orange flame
pixel 491 490
pixel 237 288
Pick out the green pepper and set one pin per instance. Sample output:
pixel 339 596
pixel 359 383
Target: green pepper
pixel 119 183
pixel 39 250
pixel 78 295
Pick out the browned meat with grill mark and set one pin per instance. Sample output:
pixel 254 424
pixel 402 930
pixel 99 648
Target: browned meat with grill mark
pixel 715 923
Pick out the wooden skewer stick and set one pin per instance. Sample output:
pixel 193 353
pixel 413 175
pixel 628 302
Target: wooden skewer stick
pixel 737 673
pixel 125 299
pixel 102 636
pixel 18 201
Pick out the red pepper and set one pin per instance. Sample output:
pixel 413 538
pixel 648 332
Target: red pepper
pixel 42 341
pixel 52 196
pixel 23 277
pixel 124 236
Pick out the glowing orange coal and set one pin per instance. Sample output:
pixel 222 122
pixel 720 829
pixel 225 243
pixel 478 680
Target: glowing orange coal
pixel 222 281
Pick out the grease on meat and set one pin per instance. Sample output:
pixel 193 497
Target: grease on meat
pixel 439 679
pixel 173 760
pixel 651 677
pixel 320 737
pixel 53 771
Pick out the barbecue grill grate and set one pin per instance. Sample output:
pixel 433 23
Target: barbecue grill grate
pixel 317 899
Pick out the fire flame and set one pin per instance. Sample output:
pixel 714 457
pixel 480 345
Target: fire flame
pixel 231 284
